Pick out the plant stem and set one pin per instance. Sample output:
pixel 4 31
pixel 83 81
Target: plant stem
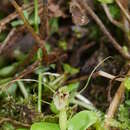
pixel 40 42
pixel 115 103
pixel 89 78
pixel 80 103
pixel 63 119
pixel 23 89
pixel 112 40
pixel 36 15
pixel 123 10
pixel 44 20
pixel 39 92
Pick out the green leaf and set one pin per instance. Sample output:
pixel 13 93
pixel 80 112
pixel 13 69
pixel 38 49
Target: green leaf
pixel 20 22
pixel 12 89
pixel 69 69
pixel 63 45
pixel 53 108
pixel 73 86
pixel 82 120
pixel 39 54
pixel 22 129
pixel 8 70
pixel 48 47
pixel 3 35
pixel 5 80
pixel 115 11
pixel 106 1
pixel 54 25
pixel 41 69
pixel 7 126
pixel 127 83
pixel 45 126
pixel 127 102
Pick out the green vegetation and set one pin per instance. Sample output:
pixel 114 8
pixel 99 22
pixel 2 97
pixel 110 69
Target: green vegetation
pixel 64 65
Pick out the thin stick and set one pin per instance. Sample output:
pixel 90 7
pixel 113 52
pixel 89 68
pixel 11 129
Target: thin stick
pixel 30 69
pixel 116 23
pixel 10 40
pixel 40 42
pixel 23 89
pixel 26 71
pixel 84 4
pixel 29 8
pixel 11 33
pixel 109 76
pixel 10 17
pixel 44 20
pixel 36 15
pixel 123 10
pixel 2 120
pixel 40 92
pixel 90 76
pixel 115 103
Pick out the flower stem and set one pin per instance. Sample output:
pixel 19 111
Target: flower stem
pixel 39 92
pixel 63 119
pixel 36 15
pixel 23 89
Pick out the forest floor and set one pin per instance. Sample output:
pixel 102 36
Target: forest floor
pixel 64 62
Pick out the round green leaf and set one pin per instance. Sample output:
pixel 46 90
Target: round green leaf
pixel 45 126
pixel 82 120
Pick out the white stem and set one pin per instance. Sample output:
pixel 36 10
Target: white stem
pixel 83 99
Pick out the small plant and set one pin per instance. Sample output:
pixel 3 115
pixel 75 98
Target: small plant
pixel 61 100
pixel 53 72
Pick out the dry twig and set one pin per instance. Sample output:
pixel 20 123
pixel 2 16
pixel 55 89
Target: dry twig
pixel 54 11
pixel 83 4
pixel 123 10
pixel 114 104
pixel 10 41
pixel 11 33
pixel 10 17
pixel 116 23
pixel 44 20
pixel 16 123
pixel 109 76
pixel 40 42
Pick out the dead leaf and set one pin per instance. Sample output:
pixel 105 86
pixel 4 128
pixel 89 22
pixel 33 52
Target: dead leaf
pixel 79 16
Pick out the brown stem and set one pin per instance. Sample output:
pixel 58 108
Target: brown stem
pixel 114 104
pixel 116 23
pixel 109 76
pixel 33 66
pixel 25 72
pixel 44 20
pixel 126 24
pixel 103 28
pixel 16 123
pixel 10 41
pixel 10 17
pixel 41 43
pixel 29 8
pixel 11 33
pixel 123 10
